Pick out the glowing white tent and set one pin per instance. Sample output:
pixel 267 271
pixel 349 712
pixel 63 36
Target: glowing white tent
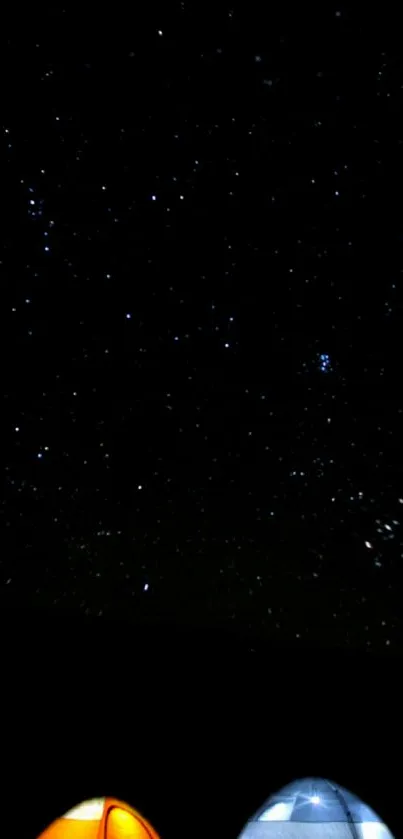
pixel 314 808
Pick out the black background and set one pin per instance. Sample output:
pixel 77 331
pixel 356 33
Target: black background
pixel 195 730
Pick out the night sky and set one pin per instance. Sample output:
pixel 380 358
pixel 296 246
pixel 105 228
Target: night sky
pixel 201 319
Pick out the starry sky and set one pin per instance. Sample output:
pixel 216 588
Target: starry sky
pixel 201 312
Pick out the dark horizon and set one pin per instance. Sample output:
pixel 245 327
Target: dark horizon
pixel 137 711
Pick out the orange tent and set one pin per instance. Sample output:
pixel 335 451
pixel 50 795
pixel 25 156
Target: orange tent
pixel 100 818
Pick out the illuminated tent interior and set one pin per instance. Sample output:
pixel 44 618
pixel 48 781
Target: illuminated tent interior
pixel 314 808
pixel 100 818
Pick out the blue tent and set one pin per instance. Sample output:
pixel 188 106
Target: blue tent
pixel 314 808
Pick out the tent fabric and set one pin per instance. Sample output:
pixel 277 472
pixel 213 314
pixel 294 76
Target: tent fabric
pixel 314 830
pixel 315 808
pixel 100 818
pixel 316 800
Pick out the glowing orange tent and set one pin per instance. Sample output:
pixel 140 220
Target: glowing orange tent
pixel 101 818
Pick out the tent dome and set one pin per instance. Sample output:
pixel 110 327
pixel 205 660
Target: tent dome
pixel 100 818
pixel 314 808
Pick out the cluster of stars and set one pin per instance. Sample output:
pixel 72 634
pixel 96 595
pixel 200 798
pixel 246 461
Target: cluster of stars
pixel 203 416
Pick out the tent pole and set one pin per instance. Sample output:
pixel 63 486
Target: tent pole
pixel 345 806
